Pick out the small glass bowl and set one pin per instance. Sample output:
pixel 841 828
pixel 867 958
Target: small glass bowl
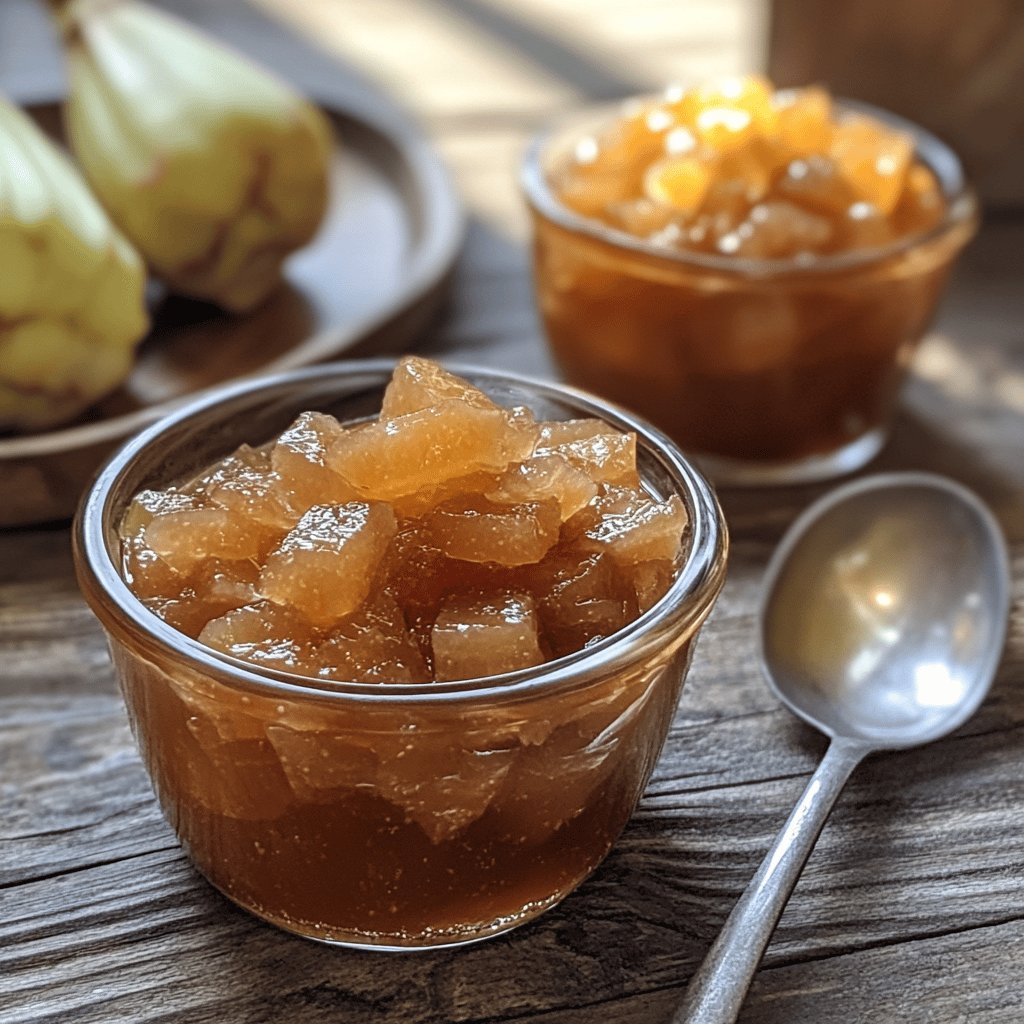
pixel 392 816
pixel 764 371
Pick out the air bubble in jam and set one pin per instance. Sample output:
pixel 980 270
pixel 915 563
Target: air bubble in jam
pixel 451 539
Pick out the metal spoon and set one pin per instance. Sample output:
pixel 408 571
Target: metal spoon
pixel 883 619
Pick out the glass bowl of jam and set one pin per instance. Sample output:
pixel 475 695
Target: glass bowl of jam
pixel 399 648
pixel 750 270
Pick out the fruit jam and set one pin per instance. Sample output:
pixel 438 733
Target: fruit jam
pixel 449 539
pixel 749 269
pixel 735 169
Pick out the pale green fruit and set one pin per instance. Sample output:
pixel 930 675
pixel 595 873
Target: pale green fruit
pixel 215 169
pixel 71 286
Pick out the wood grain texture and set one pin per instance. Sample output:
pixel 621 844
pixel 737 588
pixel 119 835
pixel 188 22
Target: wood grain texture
pixel 910 910
pixel 960 76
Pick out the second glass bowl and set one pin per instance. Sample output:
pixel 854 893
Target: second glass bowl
pixel 766 371
pixel 387 815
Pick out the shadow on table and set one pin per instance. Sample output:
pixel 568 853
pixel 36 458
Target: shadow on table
pixel 551 55
pixel 916 443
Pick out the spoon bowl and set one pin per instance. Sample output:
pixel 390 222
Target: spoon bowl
pixel 884 610
pixel 883 618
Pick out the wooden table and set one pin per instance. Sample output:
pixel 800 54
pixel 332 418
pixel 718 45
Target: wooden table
pixel 912 907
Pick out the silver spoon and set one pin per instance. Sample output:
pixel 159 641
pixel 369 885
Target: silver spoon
pixel 882 621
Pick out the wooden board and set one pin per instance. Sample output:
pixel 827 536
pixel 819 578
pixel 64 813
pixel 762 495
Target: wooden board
pixel 369 282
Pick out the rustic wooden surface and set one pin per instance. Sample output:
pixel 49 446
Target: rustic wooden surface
pixel 912 907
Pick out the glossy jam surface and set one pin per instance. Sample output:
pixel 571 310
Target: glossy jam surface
pixel 450 538
pixel 736 169
pixel 772 262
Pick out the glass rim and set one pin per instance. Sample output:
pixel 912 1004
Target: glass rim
pixel 962 206
pixel 122 613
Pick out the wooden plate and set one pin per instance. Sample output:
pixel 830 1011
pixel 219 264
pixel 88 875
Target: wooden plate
pixel 369 282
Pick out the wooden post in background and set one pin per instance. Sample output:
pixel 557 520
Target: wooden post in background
pixel 954 66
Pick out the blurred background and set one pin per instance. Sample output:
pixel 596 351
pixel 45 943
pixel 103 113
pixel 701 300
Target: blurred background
pixel 955 67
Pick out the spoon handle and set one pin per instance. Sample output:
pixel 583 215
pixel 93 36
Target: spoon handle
pixel 717 990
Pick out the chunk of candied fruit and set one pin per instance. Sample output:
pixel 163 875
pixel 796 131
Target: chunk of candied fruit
pixel 185 537
pixel 419 383
pixel 299 459
pixel 442 786
pixel 542 478
pixel 872 159
pixel 146 572
pixel 803 120
pixel 632 527
pixel 473 529
pixel 147 504
pixel 582 598
pixel 317 762
pixel 608 168
pixel 485 635
pixel 921 206
pixel 549 785
pixel 419 503
pixel 399 456
pixel 217 588
pixel 324 567
pixel 245 484
pixel 680 182
pixel 777 229
pixel 605 455
pixel 814 182
pixel 651 581
pixel 372 645
pixel 264 633
pixel 727 112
